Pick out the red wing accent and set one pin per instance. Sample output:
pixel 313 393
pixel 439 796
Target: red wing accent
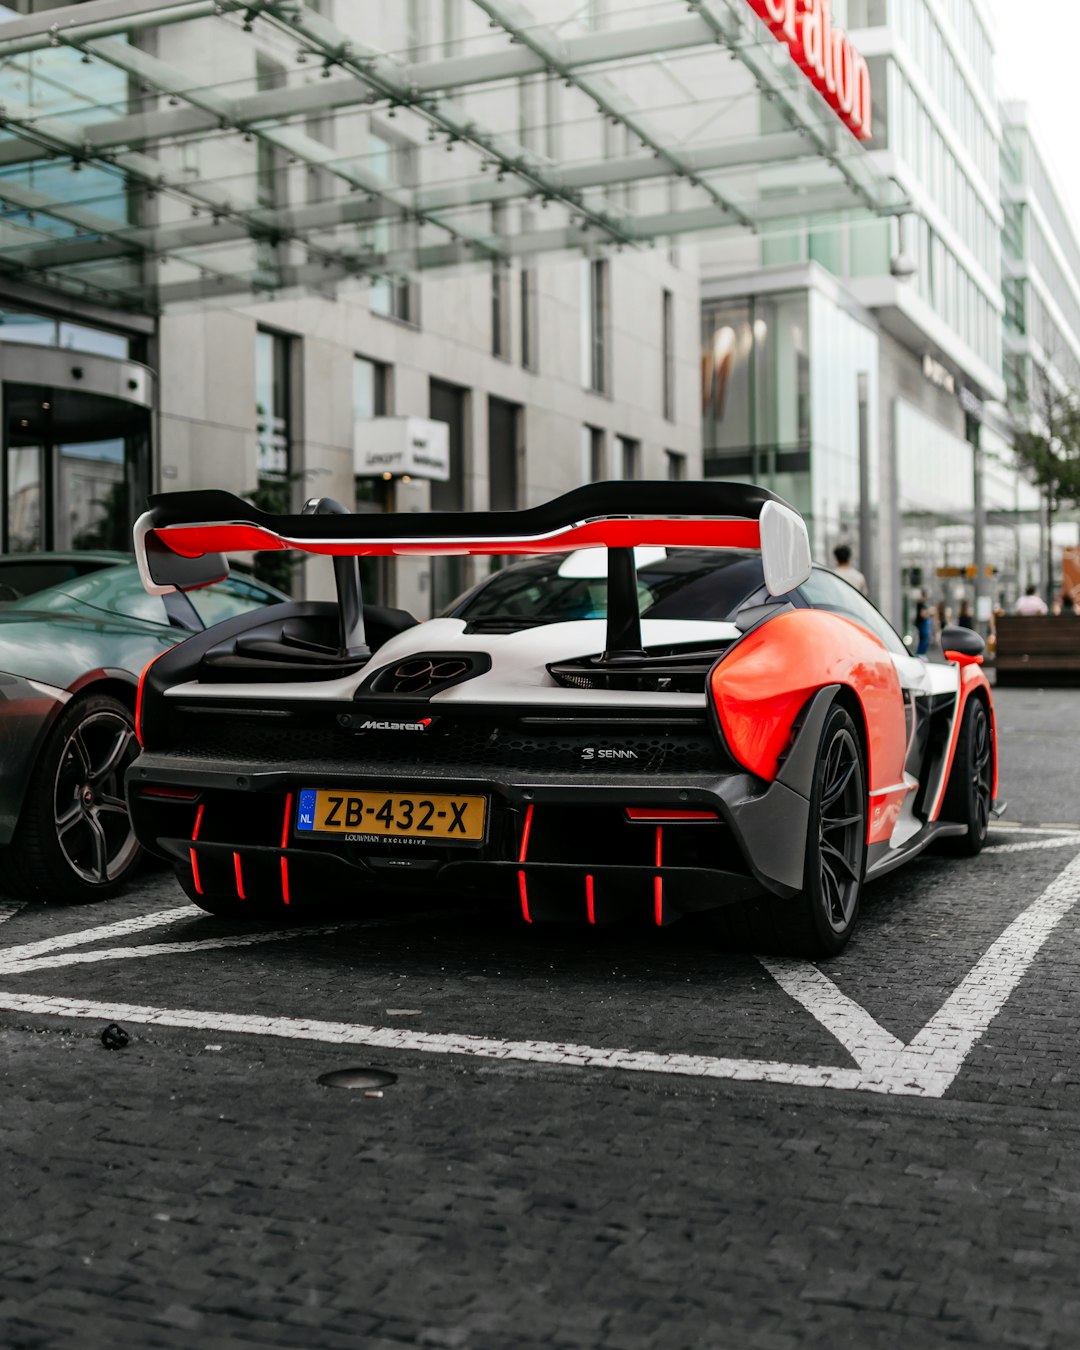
pixel 190 541
pixel 285 880
pixel 239 876
pixel 195 870
pixel 179 794
pixel 198 822
pixel 523 886
pixel 661 813
pixel 590 899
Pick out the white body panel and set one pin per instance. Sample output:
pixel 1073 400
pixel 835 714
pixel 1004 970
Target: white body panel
pixel 518 671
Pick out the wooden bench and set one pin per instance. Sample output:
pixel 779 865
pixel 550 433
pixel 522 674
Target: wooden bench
pixel 1038 650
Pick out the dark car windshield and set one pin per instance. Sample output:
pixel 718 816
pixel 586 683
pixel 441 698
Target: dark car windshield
pixel 686 584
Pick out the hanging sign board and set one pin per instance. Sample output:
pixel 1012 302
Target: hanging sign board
pixel 415 446
pixel 825 54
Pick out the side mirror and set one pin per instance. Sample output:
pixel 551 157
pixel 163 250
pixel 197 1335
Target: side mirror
pixel 963 645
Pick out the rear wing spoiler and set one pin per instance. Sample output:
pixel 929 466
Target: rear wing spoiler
pixel 182 540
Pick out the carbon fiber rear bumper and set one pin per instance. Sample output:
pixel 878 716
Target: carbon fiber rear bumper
pixel 232 826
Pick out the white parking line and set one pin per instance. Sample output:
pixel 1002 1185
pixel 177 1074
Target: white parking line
pixel 1058 841
pixel 865 1040
pixel 46 954
pixel 926 1067
pixel 9 908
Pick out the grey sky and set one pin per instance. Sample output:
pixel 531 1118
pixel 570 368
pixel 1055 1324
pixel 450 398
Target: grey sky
pixel 1037 46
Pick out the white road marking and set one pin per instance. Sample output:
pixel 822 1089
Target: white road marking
pixel 1058 841
pixel 9 908
pixel 81 936
pixel 926 1067
pixel 864 1039
pixel 953 1031
pixel 46 954
pixel 388 1038
pixel 55 961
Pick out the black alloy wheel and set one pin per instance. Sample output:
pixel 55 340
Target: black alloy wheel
pixel 969 796
pixel 74 840
pixel 819 921
pixel 839 814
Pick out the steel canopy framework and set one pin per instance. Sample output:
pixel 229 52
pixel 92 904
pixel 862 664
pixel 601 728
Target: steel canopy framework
pixel 157 151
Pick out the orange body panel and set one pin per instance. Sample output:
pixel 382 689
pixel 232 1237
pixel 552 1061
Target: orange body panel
pixel 763 684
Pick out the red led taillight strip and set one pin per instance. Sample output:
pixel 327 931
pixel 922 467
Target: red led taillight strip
pixel 663 814
pixel 522 884
pixel 239 876
pixel 191 851
pixel 658 882
pixel 590 899
pixel 284 841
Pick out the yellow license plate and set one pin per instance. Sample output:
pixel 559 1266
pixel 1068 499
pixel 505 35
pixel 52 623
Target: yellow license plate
pixel 391 815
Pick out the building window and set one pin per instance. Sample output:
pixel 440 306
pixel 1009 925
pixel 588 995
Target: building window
pixel 273 358
pixel 500 289
pixel 270 181
pixel 667 321
pixel 630 456
pixel 529 338
pixel 272 405
pixel 593 454
pixel 394 162
pixel 595 318
pixel 504 454
pixel 676 466
pixel 371 385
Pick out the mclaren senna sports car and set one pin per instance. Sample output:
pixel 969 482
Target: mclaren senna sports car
pixel 666 710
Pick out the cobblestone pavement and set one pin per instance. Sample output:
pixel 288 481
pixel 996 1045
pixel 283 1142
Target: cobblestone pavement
pixel 601 1138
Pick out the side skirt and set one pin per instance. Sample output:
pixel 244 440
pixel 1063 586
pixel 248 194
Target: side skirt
pixel 886 859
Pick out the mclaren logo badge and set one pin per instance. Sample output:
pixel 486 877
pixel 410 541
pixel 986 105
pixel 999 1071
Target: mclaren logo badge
pixel 590 752
pixel 421 724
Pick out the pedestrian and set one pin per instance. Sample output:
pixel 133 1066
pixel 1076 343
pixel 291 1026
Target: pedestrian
pixel 1031 603
pixel 846 568
pixel 965 618
pixel 1066 605
pixel 923 625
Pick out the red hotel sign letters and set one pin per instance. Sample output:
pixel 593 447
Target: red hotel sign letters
pixel 825 54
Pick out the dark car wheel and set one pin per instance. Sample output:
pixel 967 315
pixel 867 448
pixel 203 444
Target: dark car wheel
pixel 74 839
pixel 819 921
pixel 969 796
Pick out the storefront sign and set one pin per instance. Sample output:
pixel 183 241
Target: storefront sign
pixel 415 446
pixel 826 56
pixel 938 374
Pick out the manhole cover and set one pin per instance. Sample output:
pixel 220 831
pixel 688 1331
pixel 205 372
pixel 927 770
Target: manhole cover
pixel 357 1078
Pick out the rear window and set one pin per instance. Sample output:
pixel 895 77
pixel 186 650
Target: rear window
pixel 686 585
pixel 19 577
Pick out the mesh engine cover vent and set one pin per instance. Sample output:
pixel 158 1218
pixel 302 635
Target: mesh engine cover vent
pixel 426 673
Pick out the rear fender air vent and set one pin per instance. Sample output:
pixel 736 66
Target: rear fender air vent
pixel 426 673
pixel 664 670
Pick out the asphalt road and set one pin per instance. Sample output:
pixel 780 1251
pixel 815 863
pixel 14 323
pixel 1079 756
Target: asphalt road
pixel 596 1138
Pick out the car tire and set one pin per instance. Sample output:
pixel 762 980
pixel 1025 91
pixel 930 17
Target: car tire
pixel 969 795
pixel 819 921
pixel 74 842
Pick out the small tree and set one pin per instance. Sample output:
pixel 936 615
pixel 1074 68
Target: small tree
pixel 1049 445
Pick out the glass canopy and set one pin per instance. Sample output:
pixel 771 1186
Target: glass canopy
pixel 156 151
